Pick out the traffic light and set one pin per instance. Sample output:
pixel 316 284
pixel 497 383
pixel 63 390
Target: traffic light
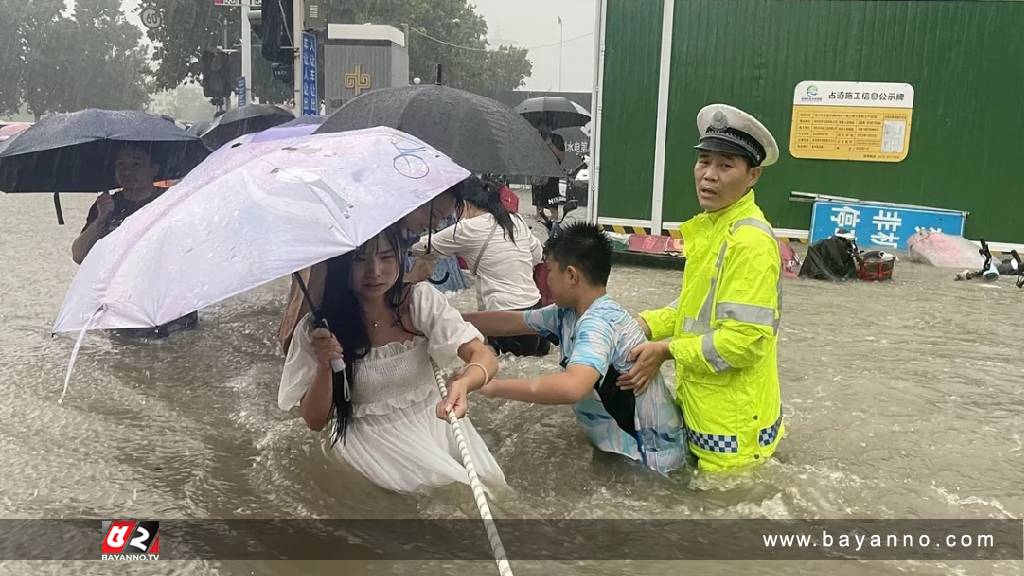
pixel 276 31
pixel 216 68
pixel 256 22
pixel 220 70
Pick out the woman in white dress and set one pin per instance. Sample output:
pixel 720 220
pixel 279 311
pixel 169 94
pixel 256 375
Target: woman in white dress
pixel 388 422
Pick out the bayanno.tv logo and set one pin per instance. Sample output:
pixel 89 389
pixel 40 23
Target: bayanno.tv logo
pixel 130 540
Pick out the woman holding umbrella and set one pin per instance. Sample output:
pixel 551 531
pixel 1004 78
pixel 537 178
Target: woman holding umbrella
pixel 502 252
pixel 423 220
pixel 370 370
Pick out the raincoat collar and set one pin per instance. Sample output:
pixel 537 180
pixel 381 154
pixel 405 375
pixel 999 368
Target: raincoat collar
pixel 736 207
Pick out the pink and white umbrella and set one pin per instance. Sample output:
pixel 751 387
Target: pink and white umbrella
pixel 13 129
pixel 249 214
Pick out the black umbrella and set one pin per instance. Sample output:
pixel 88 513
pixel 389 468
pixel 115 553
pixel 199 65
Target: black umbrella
pixel 77 152
pixel 556 111
pixel 577 145
pixel 245 120
pixel 478 133
pixel 198 128
pixel 304 121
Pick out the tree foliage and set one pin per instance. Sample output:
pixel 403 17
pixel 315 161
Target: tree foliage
pixel 185 103
pixel 58 62
pixel 110 53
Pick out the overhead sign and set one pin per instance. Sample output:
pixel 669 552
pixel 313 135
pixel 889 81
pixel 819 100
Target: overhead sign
pixel 150 18
pixel 881 225
pixel 862 121
pixel 310 96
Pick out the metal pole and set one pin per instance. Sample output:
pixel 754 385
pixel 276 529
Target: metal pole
pixel 559 53
pixel 298 13
pixel 224 46
pixel 247 50
pixel 594 188
pixel 661 125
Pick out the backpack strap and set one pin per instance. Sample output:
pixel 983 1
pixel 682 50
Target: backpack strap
pixel 476 266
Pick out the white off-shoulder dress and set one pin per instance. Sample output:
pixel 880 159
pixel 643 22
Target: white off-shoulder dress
pixel 394 437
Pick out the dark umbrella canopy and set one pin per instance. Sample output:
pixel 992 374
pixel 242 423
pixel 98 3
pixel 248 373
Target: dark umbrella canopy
pixel 556 111
pixel 478 133
pixel 304 121
pixel 77 152
pixel 245 120
pixel 198 128
pixel 577 145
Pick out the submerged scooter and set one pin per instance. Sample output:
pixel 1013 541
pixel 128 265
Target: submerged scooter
pixel 1017 267
pixel 555 226
pixel 988 272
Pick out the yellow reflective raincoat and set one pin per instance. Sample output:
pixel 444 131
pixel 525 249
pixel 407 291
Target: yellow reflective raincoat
pixel 724 332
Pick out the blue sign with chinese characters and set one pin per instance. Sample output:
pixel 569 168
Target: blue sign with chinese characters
pixel 885 226
pixel 240 90
pixel 310 99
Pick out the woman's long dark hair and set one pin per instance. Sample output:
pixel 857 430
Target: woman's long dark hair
pixel 344 315
pixel 486 195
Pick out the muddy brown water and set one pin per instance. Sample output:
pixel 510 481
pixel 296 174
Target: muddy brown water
pixel 902 399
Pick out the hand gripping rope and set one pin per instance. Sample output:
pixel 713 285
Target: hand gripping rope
pixel 474 483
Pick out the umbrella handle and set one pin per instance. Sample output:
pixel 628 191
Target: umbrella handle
pixel 56 204
pixel 441 281
pixel 338 364
pixel 430 239
pixel 313 310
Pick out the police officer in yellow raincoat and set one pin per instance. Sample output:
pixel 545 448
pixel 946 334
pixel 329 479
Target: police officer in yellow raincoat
pixel 722 332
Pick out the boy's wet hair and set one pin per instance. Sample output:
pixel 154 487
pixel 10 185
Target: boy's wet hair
pixel 585 247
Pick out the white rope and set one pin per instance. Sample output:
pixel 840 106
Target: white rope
pixel 74 351
pixel 504 569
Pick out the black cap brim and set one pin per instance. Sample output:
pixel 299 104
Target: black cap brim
pixel 715 143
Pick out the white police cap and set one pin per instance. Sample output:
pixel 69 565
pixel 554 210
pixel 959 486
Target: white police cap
pixel 726 129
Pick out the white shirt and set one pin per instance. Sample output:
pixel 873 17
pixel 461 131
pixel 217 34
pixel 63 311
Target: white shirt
pixel 505 273
pixel 443 329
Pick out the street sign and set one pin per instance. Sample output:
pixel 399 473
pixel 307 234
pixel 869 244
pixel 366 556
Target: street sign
pixel 240 91
pixel 150 18
pixel 237 3
pixel 316 15
pixel 310 97
pixel 882 225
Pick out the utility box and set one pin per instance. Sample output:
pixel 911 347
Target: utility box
pixel 363 57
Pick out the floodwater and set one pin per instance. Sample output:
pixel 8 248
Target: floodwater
pixel 902 400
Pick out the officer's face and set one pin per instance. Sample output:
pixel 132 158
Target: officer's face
pixel 722 179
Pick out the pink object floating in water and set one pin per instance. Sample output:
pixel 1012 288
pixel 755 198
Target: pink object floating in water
pixel 944 251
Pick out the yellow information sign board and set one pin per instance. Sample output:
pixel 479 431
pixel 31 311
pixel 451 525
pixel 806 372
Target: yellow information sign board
pixel 862 121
